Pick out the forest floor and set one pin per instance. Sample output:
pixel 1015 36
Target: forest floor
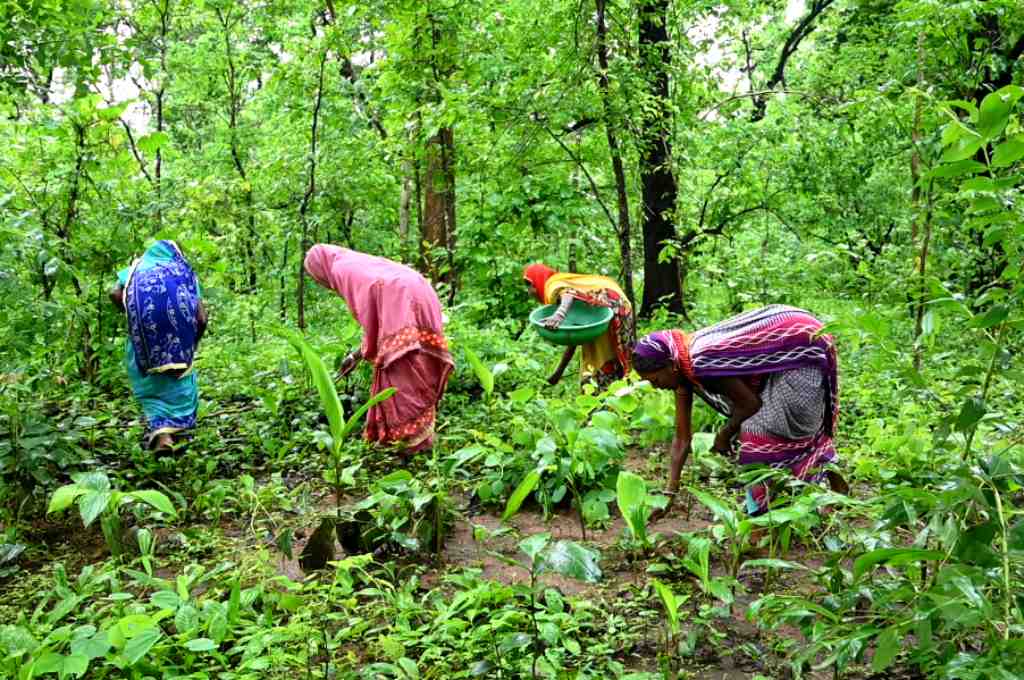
pixel 731 647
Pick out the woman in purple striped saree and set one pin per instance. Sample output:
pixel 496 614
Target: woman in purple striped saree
pixel 771 373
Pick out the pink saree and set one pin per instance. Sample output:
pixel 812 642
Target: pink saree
pixel 403 337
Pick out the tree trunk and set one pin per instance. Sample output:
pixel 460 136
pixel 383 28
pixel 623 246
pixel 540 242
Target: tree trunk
pixel 922 217
pixel 661 279
pixel 624 229
pixel 439 208
pixel 307 197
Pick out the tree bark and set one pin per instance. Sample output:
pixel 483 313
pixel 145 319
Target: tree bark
pixel 662 286
pixel 439 207
pixel 624 227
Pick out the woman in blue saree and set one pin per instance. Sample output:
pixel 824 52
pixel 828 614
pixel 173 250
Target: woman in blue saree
pixel 161 298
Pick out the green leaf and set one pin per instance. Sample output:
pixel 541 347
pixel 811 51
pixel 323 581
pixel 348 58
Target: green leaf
pixel 978 184
pixel 166 599
pixel 187 618
pixel 152 142
pixel 772 564
pixel 92 647
pixel 515 501
pixel 408 667
pixel 64 496
pixel 155 499
pixel 532 545
pixel 670 602
pixel 893 556
pixel 383 395
pixel 994 316
pixel 16 641
pixel 140 645
pixel 631 496
pixel 995 109
pixel 483 374
pixel 887 646
pixel 571 559
pixel 324 384
pixel 717 506
pixel 1009 152
pixel 957 169
pixel 971 413
pixel 964 147
pixel 522 395
pixel 92 505
pixel 201 645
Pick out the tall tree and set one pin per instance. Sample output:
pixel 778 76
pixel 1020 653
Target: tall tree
pixel 661 275
pixel 614 147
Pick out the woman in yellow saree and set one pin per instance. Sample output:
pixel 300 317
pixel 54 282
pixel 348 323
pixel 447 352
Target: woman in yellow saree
pixel 607 358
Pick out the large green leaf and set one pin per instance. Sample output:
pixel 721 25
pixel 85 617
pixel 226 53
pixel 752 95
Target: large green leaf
pixel 64 496
pixel 571 559
pixel 140 645
pixel 994 112
pixel 324 384
pixel 92 504
pixel 717 506
pixel 1009 152
pixel 964 147
pixel 630 496
pixel 483 374
pixel 155 499
pixel 957 169
pixel 894 556
pixel 515 501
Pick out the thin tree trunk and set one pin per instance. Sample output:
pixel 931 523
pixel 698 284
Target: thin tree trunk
pixel 661 278
pixel 922 219
pixel 624 229
pixel 307 197
pixel 439 206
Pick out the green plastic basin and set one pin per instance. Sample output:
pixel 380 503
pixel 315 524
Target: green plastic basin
pixel 584 323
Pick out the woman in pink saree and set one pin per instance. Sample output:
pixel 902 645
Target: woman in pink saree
pixel 403 337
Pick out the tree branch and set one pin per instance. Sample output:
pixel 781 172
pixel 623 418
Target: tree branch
pixel 802 29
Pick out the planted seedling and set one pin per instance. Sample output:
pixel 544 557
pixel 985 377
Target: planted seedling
pixel 96 498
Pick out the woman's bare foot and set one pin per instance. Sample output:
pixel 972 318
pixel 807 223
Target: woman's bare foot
pixel 164 443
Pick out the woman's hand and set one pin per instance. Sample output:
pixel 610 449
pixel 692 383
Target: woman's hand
pixel 554 321
pixel 723 443
pixel 349 363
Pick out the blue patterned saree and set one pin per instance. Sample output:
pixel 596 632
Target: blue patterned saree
pixel 161 297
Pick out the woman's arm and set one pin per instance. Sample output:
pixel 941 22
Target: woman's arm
pixel 745 403
pixel 566 358
pixel 556 319
pixel 202 319
pixel 350 362
pixel 117 297
pixel 683 439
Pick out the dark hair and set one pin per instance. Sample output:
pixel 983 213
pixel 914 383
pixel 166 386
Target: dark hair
pixel 646 364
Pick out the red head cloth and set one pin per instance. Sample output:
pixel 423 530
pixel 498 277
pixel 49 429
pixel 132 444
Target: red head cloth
pixel 385 297
pixel 538 274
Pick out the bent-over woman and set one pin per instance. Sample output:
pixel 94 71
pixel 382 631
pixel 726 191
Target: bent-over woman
pixel 403 337
pixel 607 358
pixel 771 373
pixel 161 298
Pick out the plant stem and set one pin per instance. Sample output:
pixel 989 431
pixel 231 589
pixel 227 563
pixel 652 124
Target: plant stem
pixel 1007 590
pixel 984 389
